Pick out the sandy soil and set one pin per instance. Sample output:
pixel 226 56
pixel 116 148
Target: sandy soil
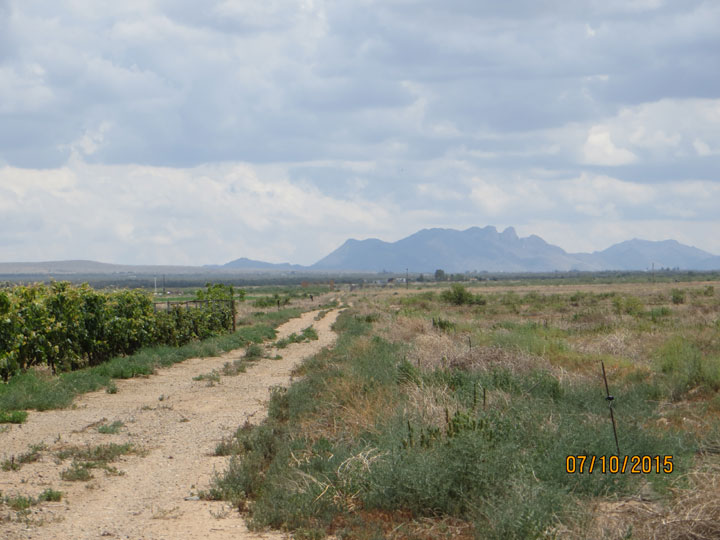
pixel 178 422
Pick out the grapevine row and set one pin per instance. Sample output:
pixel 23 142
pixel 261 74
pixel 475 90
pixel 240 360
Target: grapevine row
pixel 67 327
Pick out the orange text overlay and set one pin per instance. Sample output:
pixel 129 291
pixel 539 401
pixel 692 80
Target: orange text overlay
pixel 587 464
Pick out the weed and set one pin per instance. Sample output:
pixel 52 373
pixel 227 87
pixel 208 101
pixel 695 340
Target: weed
pixel 443 324
pixel 78 472
pixel 103 452
pixel 19 502
pixel 677 296
pixel 234 368
pixel 50 495
pixel 212 378
pixel 93 457
pixel 254 351
pixel 687 367
pixel 658 313
pixel 110 429
pixel 308 334
pixel 31 456
pixel 13 417
pixel 369 318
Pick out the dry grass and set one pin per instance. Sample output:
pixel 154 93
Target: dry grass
pixel 620 342
pixel 403 329
pixel 352 412
pixel 437 350
pixel 400 525
pixel 692 514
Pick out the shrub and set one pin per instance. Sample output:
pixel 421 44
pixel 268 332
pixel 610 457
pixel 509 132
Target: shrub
pixel 459 296
pixel 443 324
pixel 677 296
pixel 686 367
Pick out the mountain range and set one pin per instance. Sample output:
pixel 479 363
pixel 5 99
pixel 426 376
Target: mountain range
pixel 474 249
pixel 487 249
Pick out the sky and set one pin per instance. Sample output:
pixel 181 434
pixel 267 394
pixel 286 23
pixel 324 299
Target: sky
pixel 185 132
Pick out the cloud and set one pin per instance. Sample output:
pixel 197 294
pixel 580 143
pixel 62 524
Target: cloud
pixel 183 85
pixel 189 216
pixel 599 149
pixel 170 131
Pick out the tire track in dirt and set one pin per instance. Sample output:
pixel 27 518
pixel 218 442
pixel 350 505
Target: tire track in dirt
pixel 178 422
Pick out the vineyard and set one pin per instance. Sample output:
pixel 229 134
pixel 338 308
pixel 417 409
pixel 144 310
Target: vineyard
pixel 66 327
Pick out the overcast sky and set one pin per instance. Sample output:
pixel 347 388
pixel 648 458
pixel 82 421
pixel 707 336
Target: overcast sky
pixel 185 132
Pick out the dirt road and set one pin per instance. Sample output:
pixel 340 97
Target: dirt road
pixel 177 422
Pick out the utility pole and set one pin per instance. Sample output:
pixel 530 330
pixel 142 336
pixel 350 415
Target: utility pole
pixel 407 278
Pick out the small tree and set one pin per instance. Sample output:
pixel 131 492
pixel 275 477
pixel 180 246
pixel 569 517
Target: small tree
pixel 440 275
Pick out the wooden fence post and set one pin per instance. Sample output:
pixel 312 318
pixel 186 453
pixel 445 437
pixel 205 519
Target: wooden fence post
pixel 234 314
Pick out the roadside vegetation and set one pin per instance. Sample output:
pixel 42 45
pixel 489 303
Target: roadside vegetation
pixel 451 414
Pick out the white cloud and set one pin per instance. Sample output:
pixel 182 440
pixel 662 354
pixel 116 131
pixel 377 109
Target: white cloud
pixel 599 149
pixel 666 129
pixel 148 214
pixel 594 195
pixel 702 148
pixel 170 131
pixel 24 89
pixel 500 198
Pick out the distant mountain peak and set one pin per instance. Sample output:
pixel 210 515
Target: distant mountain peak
pixel 486 249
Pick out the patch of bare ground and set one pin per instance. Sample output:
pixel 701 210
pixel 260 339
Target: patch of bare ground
pixel 173 421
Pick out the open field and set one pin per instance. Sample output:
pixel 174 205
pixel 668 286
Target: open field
pixel 451 413
pixel 447 411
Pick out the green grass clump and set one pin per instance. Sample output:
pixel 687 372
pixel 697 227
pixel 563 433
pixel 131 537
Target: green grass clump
pixel 78 472
pixel 443 324
pixel 677 296
pixel 21 503
pixel 686 367
pixel 50 495
pixel 532 338
pixel 231 369
pixel 13 417
pixel 254 351
pixel 92 457
pixel 212 378
pixel 308 334
pixel 103 452
pixel 31 456
pixel 110 429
